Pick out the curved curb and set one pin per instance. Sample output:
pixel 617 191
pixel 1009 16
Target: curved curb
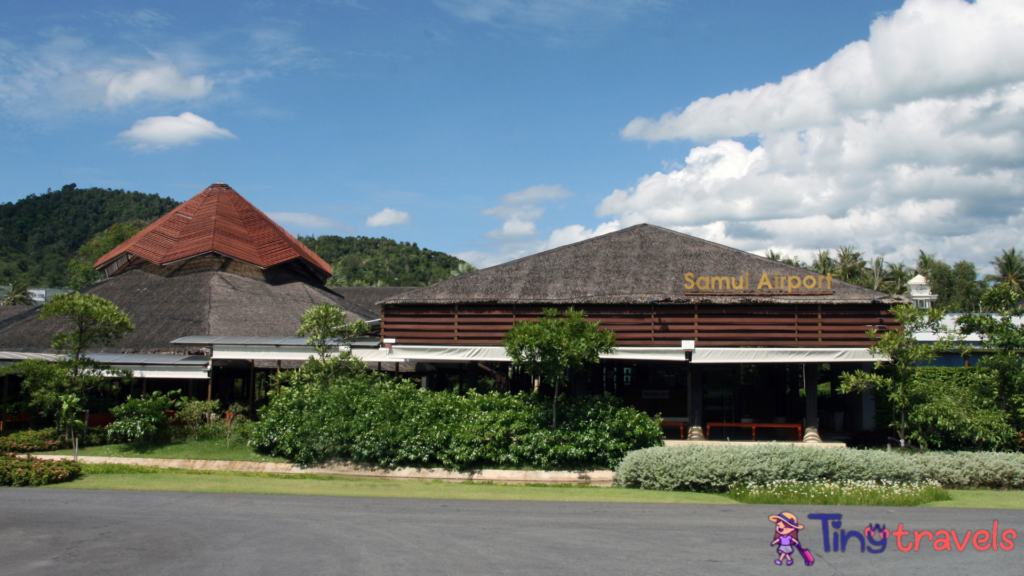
pixel 341 468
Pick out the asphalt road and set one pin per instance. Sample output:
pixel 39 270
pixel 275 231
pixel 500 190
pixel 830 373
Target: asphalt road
pixel 118 532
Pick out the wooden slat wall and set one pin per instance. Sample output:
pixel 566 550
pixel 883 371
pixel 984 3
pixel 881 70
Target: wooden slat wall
pixel 800 325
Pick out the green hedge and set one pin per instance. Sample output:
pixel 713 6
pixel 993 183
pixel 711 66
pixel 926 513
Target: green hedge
pixel 47 439
pixel 28 471
pixel 704 468
pixel 370 418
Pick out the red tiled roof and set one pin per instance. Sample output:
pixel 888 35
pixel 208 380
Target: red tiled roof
pixel 216 220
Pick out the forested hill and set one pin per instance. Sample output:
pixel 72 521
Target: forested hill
pixel 362 261
pixel 39 234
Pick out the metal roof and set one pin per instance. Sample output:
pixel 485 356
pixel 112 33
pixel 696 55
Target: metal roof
pixel 151 359
pixel 258 341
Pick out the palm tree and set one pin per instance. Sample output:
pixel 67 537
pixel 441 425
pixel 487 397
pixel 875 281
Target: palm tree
pixel 877 270
pixel 784 258
pixel 849 264
pixel 925 264
pixel 773 255
pixel 17 294
pixel 896 277
pixel 823 262
pixel 1009 268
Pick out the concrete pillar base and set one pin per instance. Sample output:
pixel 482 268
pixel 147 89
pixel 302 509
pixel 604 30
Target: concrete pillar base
pixel 695 433
pixel 811 435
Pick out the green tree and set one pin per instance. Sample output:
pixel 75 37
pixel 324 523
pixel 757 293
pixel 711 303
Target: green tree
pixel 1004 340
pixel 42 232
pixel 823 262
pixel 195 412
pixel 362 261
pixel 899 354
pixel 957 286
pixel 897 274
pixel 234 416
pixel 876 272
pixel 325 329
pixel 80 272
pixel 17 294
pixel 1009 268
pixel 555 346
pixel 91 320
pixel 849 264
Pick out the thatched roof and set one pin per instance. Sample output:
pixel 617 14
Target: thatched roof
pixel 215 221
pixel 639 265
pixel 369 297
pixel 10 314
pixel 209 295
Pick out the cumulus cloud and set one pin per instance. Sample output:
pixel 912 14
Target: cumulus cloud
pixel 154 81
pixel 166 131
pixel 909 140
pixel 519 209
pixel 69 73
pixel 518 248
pixel 388 217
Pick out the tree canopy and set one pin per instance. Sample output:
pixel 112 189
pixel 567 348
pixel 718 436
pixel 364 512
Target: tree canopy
pixel 362 261
pixel 557 345
pixel 40 234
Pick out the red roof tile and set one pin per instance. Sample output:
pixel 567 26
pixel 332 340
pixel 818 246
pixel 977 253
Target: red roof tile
pixel 216 220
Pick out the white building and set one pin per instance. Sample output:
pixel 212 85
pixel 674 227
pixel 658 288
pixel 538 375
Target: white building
pixel 921 292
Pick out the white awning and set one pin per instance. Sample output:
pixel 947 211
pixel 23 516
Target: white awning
pixel 780 355
pixel 497 354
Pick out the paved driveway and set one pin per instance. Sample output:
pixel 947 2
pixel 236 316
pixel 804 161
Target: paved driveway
pixel 117 532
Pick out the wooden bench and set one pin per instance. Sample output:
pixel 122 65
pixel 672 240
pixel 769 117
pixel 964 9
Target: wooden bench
pixel 754 426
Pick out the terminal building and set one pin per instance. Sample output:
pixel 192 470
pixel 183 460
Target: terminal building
pixel 721 343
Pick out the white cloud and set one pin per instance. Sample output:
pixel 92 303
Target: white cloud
pixel 69 73
pixel 543 13
pixel 388 217
pixel 926 49
pixel 913 139
pixel 166 131
pixel 304 220
pixel 513 249
pixel 519 209
pixel 153 81
pixel 514 228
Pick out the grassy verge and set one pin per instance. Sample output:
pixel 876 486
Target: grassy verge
pixel 1005 499
pixel 189 450
pixel 121 477
pixel 843 493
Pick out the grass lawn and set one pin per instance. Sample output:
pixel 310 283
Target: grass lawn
pixel 314 485
pixel 190 450
pixel 124 477
pixel 1010 499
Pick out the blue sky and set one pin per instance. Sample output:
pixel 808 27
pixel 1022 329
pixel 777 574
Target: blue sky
pixel 493 129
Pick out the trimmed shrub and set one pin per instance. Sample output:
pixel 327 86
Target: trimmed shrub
pixel 29 471
pixel 141 420
pixel 47 439
pixel 705 468
pixel 368 417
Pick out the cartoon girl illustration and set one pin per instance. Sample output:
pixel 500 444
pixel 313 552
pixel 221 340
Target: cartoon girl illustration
pixel 786 532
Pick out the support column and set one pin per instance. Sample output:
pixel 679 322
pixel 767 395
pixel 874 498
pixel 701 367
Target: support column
pixel 424 382
pixel 472 371
pixel 252 385
pixel 3 415
pixel 695 382
pixel 810 377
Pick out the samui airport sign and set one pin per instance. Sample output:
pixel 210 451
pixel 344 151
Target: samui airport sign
pixel 747 283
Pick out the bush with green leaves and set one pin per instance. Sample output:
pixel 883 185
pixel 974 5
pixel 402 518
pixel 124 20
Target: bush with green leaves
pixel 142 420
pixel 368 417
pixel 29 471
pixel 710 468
pixel 959 409
pixel 194 413
pixel 48 439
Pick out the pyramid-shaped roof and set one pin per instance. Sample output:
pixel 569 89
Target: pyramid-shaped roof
pixel 643 264
pixel 215 221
